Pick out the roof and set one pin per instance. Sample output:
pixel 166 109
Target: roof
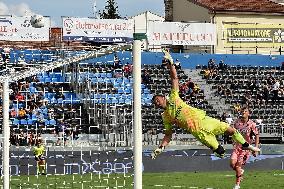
pixel 257 6
pixel 146 12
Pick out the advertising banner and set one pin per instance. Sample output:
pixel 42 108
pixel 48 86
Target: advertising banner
pixel 251 35
pixel 14 28
pixel 177 33
pixel 98 30
pixel 121 162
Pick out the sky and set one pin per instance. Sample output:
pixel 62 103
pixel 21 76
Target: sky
pixel 79 8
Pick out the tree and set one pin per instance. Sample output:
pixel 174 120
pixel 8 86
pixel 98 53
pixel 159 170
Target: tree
pixel 110 11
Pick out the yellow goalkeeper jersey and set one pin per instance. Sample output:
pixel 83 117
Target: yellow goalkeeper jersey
pixel 181 114
pixel 38 150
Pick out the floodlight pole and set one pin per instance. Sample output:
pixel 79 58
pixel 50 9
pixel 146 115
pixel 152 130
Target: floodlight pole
pixel 137 114
pixel 6 130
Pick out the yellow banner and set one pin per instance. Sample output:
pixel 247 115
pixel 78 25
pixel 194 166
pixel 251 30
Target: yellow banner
pixel 252 35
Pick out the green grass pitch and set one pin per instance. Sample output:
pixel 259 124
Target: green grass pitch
pixel 200 180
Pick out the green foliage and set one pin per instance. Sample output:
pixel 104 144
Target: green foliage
pixel 110 11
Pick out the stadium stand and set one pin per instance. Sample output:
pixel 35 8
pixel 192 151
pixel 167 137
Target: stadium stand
pixel 94 97
pixel 258 87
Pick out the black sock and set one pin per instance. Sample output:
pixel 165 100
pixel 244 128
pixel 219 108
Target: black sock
pixel 245 144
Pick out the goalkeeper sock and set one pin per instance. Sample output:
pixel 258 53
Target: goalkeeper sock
pixel 43 168
pixel 37 168
pixel 239 138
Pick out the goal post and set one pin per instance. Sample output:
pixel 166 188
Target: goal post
pixel 6 131
pixel 137 114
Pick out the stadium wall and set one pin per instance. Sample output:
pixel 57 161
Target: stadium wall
pixel 190 61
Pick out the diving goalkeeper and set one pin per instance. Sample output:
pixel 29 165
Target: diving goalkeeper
pixel 202 127
pixel 39 157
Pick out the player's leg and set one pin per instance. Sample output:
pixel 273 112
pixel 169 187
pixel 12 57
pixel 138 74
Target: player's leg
pixel 209 140
pixel 240 158
pixel 237 137
pixel 210 127
pixel 37 165
pixel 236 165
pixel 42 165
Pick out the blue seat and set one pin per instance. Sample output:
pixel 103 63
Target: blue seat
pixel 52 122
pixel 103 75
pixel 121 100
pixel 54 79
pixel 114 100
pixel 31 121
pixel 46 122
pixel 23 122
pixel 32 89
pixel 16 122
pixel 47 80
pixel 109 75
pixel 34 117
pixel 60 101
pixel 120 90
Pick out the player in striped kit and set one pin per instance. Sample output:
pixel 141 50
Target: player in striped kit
pixel 240 156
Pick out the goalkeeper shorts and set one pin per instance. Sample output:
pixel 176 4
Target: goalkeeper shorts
pixel 209 128
pixel 39 158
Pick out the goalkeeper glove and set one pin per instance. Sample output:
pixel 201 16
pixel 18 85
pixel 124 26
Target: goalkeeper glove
pixel 157 152
pixel 168 56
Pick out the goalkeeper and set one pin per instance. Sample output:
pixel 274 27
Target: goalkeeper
pixel 195 121
pixel 40 159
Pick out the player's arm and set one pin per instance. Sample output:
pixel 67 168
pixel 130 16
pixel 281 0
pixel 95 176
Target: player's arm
pixel 173 72
pixel 256 134
pixel 174 77
pixel 166 140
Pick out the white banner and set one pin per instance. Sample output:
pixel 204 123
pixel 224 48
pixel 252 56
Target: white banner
pixel 97 30
pixel 14 28
pixel 177 33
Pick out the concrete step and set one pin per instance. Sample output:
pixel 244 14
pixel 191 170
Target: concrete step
pixel 217 103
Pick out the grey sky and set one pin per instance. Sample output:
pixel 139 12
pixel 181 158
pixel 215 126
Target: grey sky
pixel 81 8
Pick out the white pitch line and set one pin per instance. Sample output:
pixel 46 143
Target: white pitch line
pixel 229 175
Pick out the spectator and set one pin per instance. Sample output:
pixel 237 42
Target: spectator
pixel 127 69
pixel 60 130
pixel 224 116
pixel 222 65
pixel 229 119
pixel 183 90
pixel 40 118
pixel 265 93
pixel 282 66
pixel 19 97
pixel 164 63
pixel 211 64
pixel 13 113
pixel 22 114
pixel 259 124
pixel 207 74
pixel 237 108
pixel 30 138
pixel 177 64
pixel 116 62
pixel 146 79
pixel 275 90
pixel 190 86
pixel 59 95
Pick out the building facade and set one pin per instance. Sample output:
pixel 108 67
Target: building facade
pixel 243 27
